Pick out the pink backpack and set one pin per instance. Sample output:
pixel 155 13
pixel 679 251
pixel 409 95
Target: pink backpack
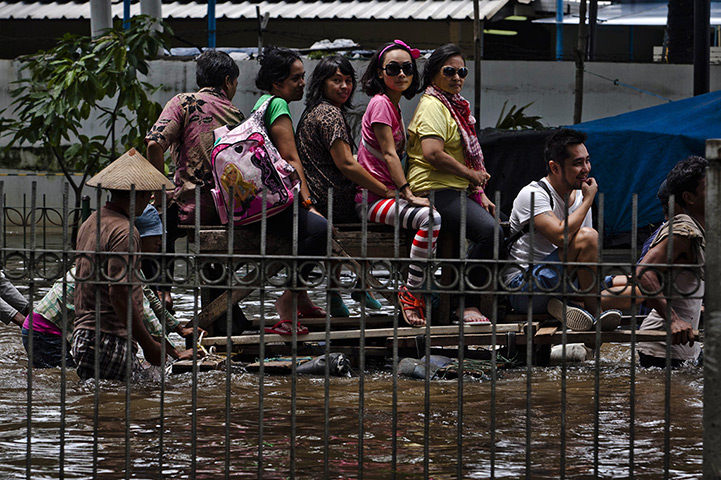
pixel 247 160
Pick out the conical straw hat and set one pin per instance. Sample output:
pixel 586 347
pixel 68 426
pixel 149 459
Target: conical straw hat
pixel 131 168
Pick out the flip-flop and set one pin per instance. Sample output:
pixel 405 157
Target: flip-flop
pixel 409 302
pixel 276 328
pixel 473 319
pixel 315 312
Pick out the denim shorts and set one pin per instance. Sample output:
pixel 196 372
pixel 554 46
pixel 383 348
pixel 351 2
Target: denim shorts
pixel 546 278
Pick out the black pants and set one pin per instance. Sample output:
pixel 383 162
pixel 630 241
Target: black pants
pixel 648 361
pixel 480 231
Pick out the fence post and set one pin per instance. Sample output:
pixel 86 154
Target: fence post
pixel 712 316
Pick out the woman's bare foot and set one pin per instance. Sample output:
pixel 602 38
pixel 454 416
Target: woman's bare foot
pixel 473 316
pixel 284 305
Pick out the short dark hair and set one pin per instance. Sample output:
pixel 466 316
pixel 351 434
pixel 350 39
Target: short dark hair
pixel 685 177
pixel 325 69
pixel 211 68
pixel 558 143
pixel 372 85
pixel 663 194
pixel 437 60
pixel 275 63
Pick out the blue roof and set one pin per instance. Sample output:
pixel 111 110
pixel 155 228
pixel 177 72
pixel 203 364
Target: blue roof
pixel 633 152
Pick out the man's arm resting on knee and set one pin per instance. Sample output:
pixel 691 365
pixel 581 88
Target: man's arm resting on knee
pixel 552 227
pixel 657 257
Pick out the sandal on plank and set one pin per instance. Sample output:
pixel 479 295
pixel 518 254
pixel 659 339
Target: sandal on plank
pixel 409 302
pixel 277 328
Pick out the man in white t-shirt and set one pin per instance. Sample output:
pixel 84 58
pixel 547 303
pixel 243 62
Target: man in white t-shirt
pixel 568 166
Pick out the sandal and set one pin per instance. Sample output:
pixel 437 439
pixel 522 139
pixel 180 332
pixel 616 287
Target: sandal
pixel 277 329
pixel 409 302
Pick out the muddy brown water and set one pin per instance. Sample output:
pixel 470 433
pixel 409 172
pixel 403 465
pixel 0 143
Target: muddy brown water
pixel 209 444
pixel 343 424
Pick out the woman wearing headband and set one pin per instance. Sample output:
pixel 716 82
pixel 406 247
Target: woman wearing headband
pixel 445 158
pixel 392 74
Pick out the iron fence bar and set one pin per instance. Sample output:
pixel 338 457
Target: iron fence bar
pixel 427 362
pixel 330 281
pixel 30 268
pixel 229 327
pixel 96 359
pixel 668 274
pixel 394 282
pixel 194 373
pixel 261 351
pixel 129 326
pixel 163 280
pixel 362 343
pixel 634 310
pixel 529 333
pixel 461 339
pixel 597 347
pixel 295 279
pixel 564 334
pixel 494 340
pixel 64 330
pixel 712 316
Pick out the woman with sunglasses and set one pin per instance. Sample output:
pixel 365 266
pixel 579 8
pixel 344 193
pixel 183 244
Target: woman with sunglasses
pixel 282 75
pixel 325 145
pixel 390 75
pixel 445 158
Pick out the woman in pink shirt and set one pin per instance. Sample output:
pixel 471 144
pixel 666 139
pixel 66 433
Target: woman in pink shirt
pixel 391 74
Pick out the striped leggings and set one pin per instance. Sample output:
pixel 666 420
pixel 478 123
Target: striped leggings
pixel 410 217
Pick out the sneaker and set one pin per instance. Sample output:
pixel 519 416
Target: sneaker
pixel 577 319
pixel 609 320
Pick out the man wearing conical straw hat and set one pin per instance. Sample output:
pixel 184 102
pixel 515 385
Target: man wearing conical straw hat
pixel 105 242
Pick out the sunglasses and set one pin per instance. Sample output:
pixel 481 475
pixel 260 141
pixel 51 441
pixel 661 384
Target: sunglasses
pixel 394 68
pixel 450 71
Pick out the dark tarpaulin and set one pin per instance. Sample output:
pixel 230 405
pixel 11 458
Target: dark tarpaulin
pixel 633 152
pixel 514 159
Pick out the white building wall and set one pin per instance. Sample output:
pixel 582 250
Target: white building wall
pixel 549 85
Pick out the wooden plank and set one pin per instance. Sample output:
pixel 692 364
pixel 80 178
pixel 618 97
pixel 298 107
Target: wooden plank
pixel 353 334
pixel 371 321
pixel 543 335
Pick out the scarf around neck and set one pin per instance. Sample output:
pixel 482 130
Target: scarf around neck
pixel 460 110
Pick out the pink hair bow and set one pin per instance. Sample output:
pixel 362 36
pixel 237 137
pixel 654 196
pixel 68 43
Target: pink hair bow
pixel 415 53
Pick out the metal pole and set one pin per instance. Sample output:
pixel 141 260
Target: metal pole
pixel 559 30
pixel 701 46
pixel 712 317
pixel 211 23
pixel 126 14
pixel 101 17
pixel 580 62
pixel 477 54
pixel 592 21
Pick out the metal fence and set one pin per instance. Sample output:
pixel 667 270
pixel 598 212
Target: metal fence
pixel 497 410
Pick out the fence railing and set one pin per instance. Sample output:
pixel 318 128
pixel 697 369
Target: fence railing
pixel 515 398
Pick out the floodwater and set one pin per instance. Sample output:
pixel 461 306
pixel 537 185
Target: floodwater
pixel 343 424
pixel 106 454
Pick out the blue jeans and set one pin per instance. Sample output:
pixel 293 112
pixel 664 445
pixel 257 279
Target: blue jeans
pixel 47 349
pixel 546 278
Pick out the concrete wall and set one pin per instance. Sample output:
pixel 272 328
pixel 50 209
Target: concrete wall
pixel 549 85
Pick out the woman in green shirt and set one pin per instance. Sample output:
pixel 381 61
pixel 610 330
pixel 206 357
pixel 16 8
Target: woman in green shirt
pixel 282 75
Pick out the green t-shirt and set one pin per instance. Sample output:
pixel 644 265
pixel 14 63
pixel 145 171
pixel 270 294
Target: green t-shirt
pixel 277 108
pixel 432 119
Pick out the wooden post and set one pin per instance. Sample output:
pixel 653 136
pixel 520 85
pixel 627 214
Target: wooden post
pixel 477 55
pixel 580 56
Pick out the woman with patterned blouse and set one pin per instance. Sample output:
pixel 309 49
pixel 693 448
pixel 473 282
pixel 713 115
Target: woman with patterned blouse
pixel 325 146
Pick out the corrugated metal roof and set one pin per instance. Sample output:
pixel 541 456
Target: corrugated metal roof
pixel 633 14
pixel 324 10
